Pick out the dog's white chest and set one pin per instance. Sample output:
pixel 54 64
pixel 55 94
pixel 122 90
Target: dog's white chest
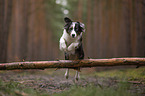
pixel 68 44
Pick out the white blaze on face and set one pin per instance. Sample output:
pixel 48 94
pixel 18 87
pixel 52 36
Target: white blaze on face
pixel 73 33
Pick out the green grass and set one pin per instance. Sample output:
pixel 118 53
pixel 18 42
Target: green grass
pixel 91 90
pixel 16 89
pixel 13 88
pixel 121 90
pixel 126 74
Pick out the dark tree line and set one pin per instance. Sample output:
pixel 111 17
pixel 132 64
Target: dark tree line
pixel 5 19
pixel 30 30
pixel 115 28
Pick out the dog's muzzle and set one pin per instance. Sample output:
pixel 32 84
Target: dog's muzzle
pixel 73 35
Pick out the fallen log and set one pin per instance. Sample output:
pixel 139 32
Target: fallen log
pixel 73 63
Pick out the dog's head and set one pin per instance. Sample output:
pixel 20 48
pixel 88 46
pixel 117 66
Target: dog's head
pixel 74 29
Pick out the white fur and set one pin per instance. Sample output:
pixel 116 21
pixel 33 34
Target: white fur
pixel 73 31
pixel 67 73
pixel 67 43
pixel 77 76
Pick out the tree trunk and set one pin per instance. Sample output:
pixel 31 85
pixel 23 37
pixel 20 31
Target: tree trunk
pixel 5 19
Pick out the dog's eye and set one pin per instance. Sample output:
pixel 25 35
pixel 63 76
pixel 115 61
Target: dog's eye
pixel 70 29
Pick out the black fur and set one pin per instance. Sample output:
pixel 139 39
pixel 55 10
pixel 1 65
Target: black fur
pixel 79 53
pixel 67 20
pixel 66 56
pixel 68 27
pixel 78 28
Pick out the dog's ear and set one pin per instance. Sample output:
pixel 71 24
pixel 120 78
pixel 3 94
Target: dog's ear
pixel 82 27
pixel 67 20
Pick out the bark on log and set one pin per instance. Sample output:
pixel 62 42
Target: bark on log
pixel 73 63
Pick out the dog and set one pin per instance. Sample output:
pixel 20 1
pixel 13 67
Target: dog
pixel 71 43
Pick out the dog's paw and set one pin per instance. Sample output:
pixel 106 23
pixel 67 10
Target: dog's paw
pixel 73 46
pixel 70 49
pixel 76 45
pixel 63 47
pixel 77 77
pixel 66 76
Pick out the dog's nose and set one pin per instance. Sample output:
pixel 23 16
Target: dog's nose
pixel 73 35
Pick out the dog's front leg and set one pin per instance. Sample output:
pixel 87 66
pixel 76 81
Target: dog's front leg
pixel 62 45
pixel 72 47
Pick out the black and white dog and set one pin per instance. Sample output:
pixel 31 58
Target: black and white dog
pixel 71 42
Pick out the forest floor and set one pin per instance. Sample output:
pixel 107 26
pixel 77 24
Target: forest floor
pixel 122 81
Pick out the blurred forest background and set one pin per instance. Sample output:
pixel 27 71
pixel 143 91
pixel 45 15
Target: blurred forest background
pixel 31 29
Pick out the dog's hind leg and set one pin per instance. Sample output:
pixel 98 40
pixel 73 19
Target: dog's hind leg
pixel 67 73
pixel 67 70
pixel 77 75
